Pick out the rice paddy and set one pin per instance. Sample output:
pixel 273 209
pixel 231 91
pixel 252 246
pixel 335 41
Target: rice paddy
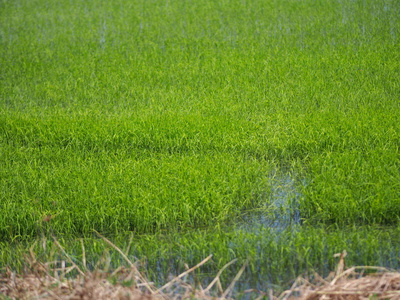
pixel 260 130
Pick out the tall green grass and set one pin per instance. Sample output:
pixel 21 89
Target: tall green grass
pixel 159 116
pixel 139 175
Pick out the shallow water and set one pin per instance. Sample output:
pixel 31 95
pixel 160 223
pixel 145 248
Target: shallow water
pixel 281 208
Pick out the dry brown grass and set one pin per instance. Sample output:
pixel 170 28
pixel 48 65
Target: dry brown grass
pixel 44 281
pixel 350 284
pixel 382 285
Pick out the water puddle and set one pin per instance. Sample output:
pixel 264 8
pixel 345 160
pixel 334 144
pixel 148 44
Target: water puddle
pixel 281 208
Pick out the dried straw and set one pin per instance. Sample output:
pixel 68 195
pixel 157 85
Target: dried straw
pixel 348 284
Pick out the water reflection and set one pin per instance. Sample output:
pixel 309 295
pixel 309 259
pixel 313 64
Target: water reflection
pixel 281 208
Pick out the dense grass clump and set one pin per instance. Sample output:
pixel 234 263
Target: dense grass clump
pixel 170 116
pixel 124 175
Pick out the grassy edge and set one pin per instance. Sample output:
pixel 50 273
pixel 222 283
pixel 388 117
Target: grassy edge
pixel 46 280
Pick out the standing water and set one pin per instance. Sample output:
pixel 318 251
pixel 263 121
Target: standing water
pixel 281 208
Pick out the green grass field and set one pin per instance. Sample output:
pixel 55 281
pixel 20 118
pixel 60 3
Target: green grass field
pixel 176 120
